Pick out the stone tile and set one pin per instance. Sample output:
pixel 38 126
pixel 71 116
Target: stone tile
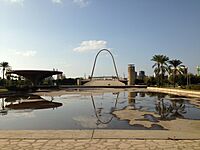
pixel 124 146
pixel 87 143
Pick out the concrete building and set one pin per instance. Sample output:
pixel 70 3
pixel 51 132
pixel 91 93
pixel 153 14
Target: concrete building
pixel 136 75
pixel 131 74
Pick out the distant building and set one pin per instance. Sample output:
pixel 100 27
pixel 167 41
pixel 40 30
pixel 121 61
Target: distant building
pixel 136 75
pixel 141 75
pixel 48 81
pixel 60 76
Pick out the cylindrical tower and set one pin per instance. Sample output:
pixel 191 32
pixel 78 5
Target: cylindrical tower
pixel 131 74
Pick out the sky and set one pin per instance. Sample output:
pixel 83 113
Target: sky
pixel 67 34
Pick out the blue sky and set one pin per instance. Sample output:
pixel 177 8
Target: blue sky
pixel 66 34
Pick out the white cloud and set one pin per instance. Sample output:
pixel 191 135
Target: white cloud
pixel 20 2
pixel 81 3
pixel 91 45
pixel 88 122
pixel 26 53
pixel 57 1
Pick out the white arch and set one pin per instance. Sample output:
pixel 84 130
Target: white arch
pixel 112 60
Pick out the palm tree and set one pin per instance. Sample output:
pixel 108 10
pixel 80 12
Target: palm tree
pixel 175 68
pixel 160 67
pixel 4 65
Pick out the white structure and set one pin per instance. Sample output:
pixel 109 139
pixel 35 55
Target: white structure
pixel 104 81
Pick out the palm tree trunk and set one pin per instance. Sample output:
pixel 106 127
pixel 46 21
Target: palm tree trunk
pixel 161 79
pixel 158 75
pixel 174 78
pixel 3 72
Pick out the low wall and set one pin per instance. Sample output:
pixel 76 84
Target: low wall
pixel 175 91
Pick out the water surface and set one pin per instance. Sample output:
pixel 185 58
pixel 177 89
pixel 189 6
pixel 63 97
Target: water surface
pixel 90 111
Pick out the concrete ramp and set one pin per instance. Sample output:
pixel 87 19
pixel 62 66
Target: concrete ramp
pixel 104 83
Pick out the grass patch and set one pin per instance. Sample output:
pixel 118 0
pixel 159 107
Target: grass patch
pixel 194 87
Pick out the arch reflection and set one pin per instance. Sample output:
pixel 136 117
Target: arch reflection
pixel 98 114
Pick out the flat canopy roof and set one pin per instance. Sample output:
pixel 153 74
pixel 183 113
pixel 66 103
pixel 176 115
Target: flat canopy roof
pixel 35 76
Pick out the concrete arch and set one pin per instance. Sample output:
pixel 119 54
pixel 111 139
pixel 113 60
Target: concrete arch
pixel 114 64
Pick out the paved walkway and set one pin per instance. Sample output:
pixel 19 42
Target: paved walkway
pixel 97 139
pixel 92 144
pixel 182 92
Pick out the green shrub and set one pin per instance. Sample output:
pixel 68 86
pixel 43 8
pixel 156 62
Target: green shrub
pixel 194 87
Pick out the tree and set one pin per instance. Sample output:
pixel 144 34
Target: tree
pixel 175 68
pixel 151 81
pixel 4 65
pixel 160 67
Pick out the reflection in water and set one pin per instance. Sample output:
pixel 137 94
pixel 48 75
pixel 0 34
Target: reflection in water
pixel 98 112
pixel 162 109
pixel 167 111
pixel 142 94
pixel 131 99
pixel 3 111
pixel 178 108
pixel 49 98
pixel 155 94
pixel 94 111
pixel 24 102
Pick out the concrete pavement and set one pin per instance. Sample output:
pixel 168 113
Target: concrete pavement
pixel 97 139
pixel 99 144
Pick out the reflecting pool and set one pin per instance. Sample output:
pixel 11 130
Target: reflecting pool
pixel 94 110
